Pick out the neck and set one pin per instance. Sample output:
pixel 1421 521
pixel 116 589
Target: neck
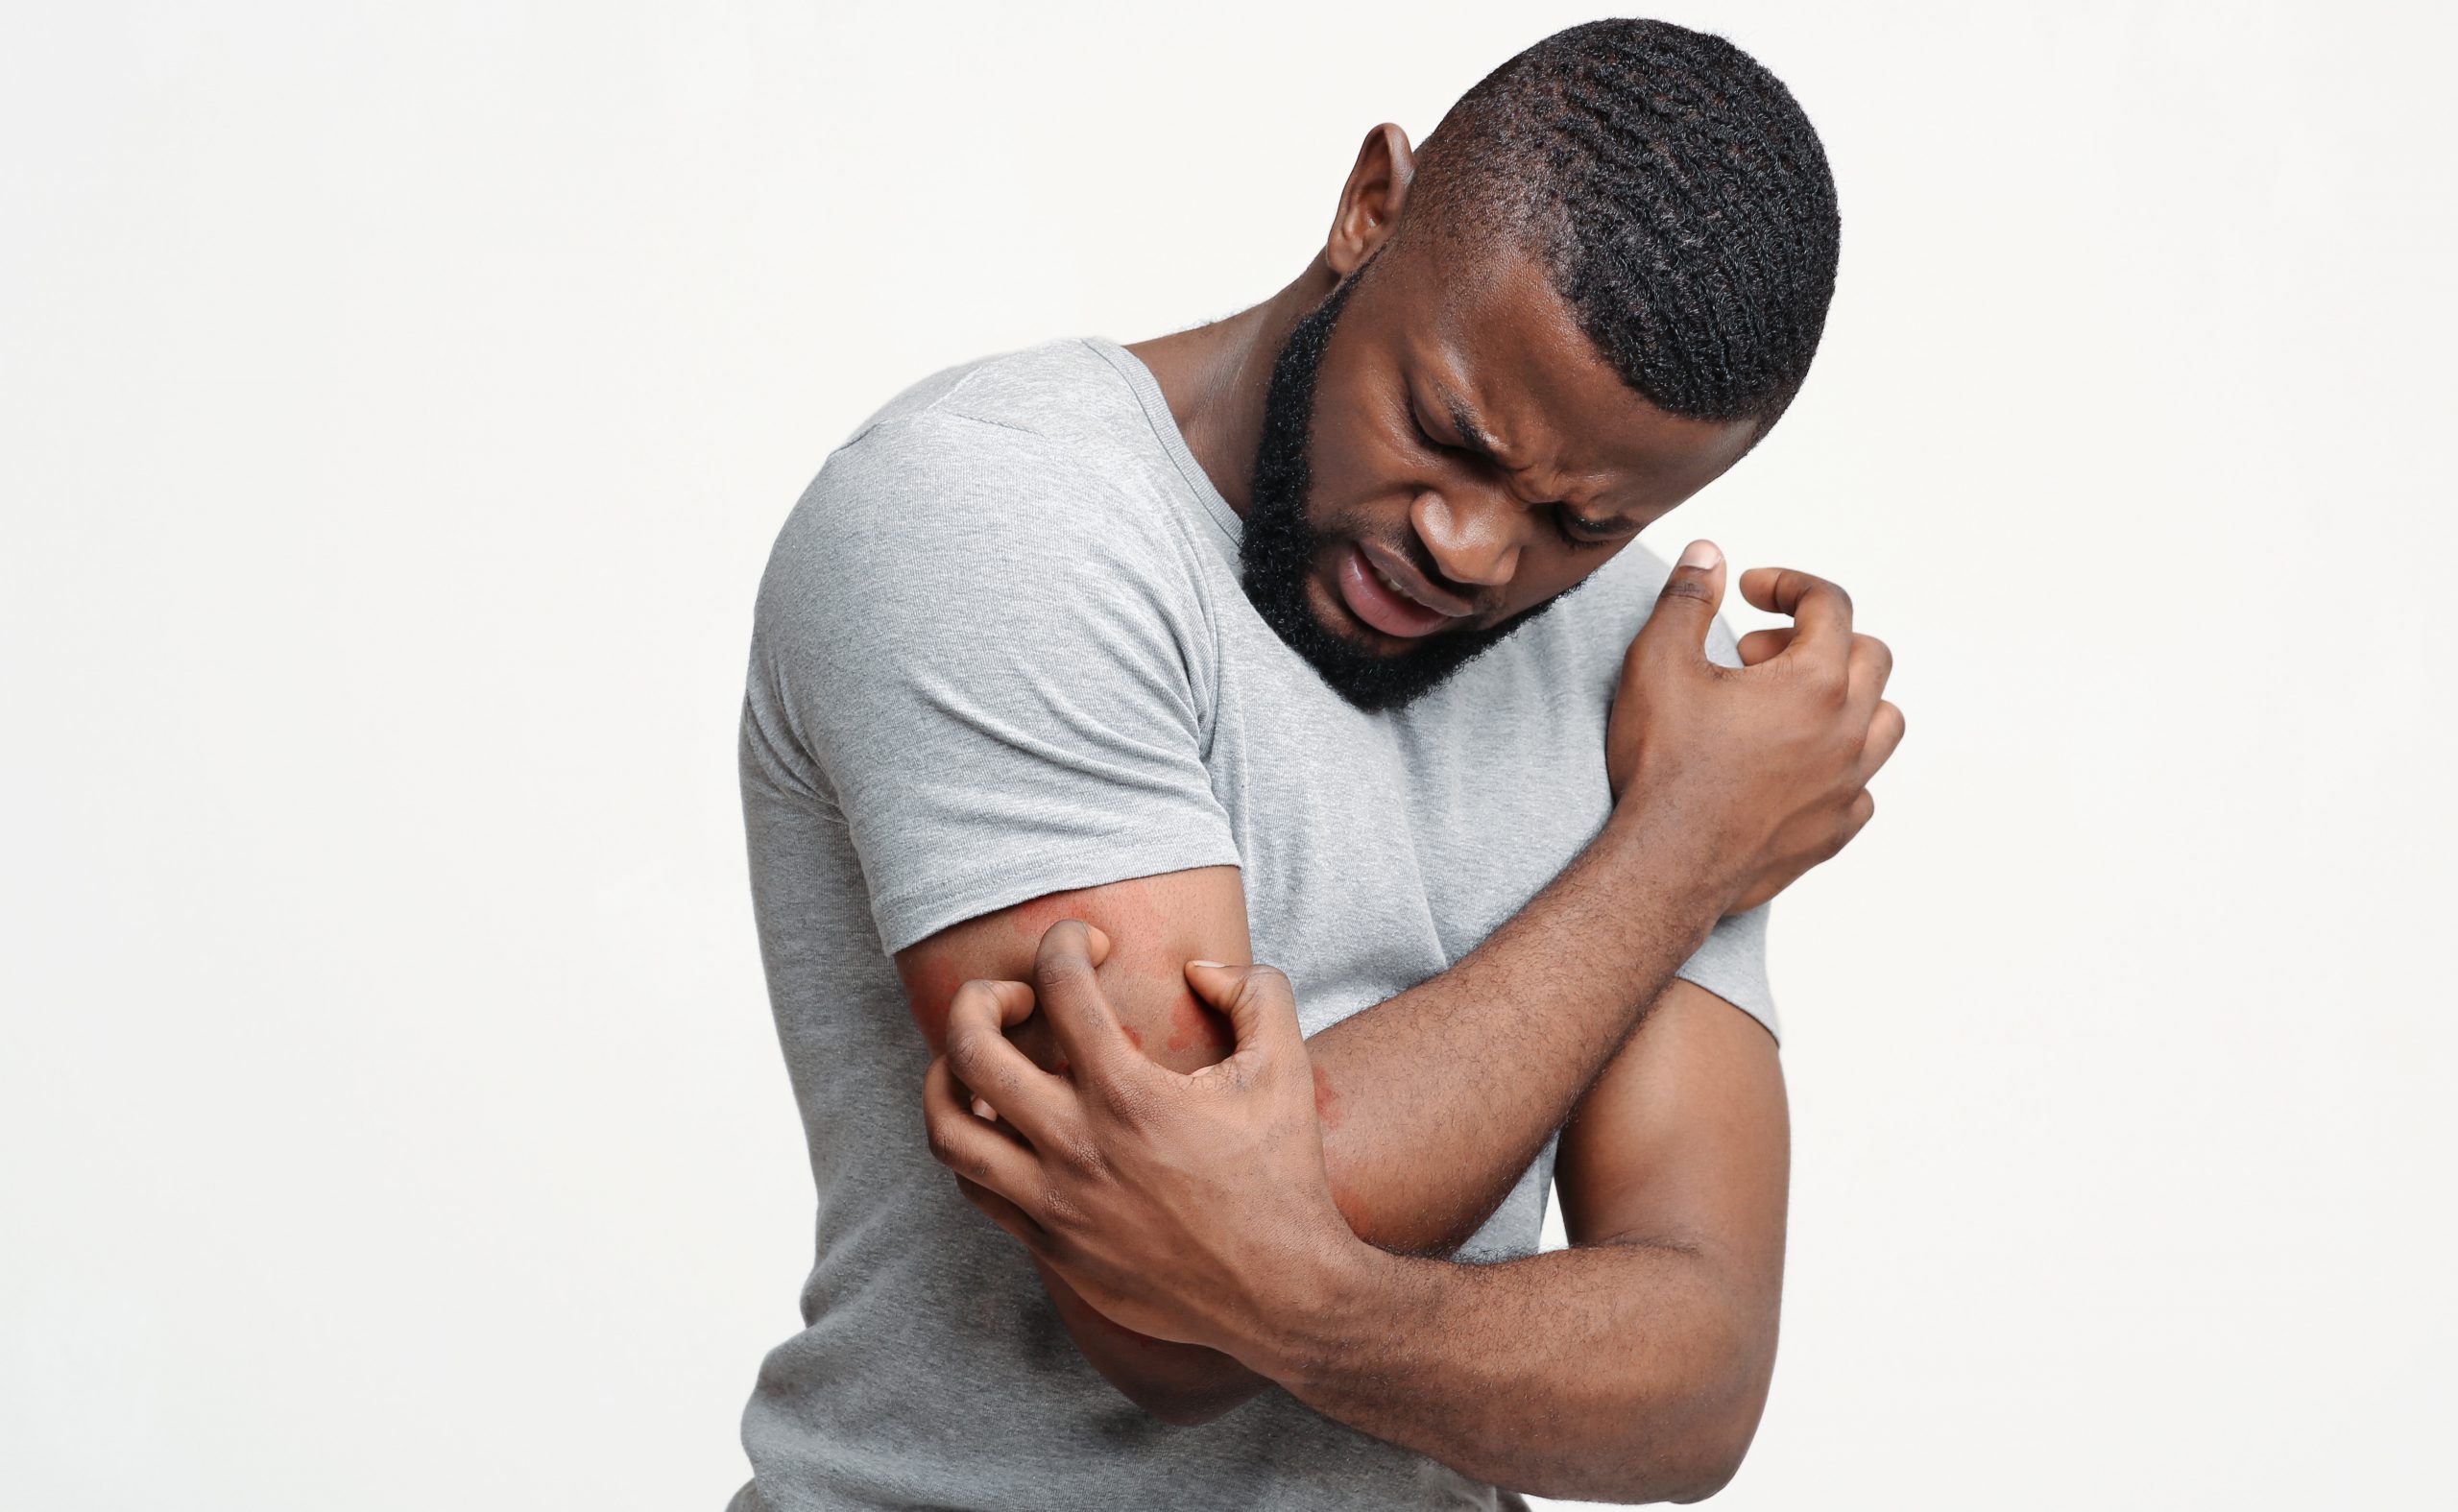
pixel 1217 376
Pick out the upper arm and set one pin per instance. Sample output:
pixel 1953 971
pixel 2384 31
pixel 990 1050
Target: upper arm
pixel 998 677
pixel 972 651
pixel 1155 924
pixel 1684 1141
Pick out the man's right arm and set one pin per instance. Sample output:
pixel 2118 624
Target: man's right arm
pixel 1433 1102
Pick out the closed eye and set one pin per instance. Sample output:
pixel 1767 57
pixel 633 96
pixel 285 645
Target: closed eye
pixel 1584 535
pixel 1432 445
pixel 1580 533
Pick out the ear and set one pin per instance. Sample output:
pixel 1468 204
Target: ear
pixel 1371 199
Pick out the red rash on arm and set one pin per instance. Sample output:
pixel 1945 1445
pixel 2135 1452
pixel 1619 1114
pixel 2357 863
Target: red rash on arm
pixel 1147 926
pixel 1155 924
pixel 1326 1100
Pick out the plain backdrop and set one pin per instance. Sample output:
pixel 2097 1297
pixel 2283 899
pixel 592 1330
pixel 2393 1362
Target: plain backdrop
pixel 397 405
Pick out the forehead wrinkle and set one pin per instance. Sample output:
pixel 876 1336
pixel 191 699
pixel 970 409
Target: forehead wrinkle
pixel 1474 435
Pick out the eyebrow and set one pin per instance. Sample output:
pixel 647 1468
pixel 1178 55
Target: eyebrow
pixel 1473 439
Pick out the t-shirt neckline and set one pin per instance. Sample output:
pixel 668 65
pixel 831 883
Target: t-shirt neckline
pixel 1164 430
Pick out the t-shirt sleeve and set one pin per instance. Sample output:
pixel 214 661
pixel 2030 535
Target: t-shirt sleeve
pixel 996 668
pixel 1732 963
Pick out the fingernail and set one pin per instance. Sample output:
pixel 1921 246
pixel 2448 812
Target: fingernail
pixel 1218 966
pixel 983 1109
pixel 1701 554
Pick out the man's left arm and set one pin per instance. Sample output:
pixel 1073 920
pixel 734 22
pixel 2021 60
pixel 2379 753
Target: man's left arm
pixel 1632 1366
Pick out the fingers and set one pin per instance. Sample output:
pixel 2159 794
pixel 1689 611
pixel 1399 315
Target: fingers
pixel 1886 733
pixel 1003 1005
pixel 1261 1005
pixel 1870 663
pixel 1764 645
pixel 987 1064
pixel 1070 996
pixel 1687 604
pixel 1821 611
pixel 965 1144
pixel 1004 1213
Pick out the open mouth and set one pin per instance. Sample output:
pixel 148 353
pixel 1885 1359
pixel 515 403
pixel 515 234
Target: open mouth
pixel 1381 602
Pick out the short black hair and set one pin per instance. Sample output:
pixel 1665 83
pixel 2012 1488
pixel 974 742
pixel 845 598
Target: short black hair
pixel 1679 196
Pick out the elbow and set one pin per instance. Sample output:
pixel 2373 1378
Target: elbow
pixel 1691 1469
pixel 1180 1411
pixel 1181 1405
pixel 1183 1387
pixel 1698 1453
pixel 1714 1448
pixel 1709 1454
pixel 1707 1473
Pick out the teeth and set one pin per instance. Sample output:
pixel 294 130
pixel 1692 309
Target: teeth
pixel 1387 582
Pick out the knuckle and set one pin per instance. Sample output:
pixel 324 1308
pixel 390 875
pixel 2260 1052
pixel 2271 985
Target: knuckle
pixel 1083 1157
pixel 1056 1213
pixel 1264 985
pixel 1063 972
pixel 1124 1100
pixel 966 1054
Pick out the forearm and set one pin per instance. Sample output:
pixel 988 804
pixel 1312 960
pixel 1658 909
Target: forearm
pixel 1435 1101
pixel 1622 1372
pixel 1179 1383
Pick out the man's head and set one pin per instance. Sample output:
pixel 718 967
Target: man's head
pixel 1599 284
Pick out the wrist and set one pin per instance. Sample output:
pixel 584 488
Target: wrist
pixel 1325 1311
pixel 1668 850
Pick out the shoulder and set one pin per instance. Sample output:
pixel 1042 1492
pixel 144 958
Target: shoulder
pixel 1063 392
pixel 1001 523
pixel 1008 473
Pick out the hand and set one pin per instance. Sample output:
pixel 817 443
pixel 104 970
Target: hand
pixel 1764 768
pixel 1191 1208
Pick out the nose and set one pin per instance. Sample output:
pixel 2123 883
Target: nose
pixel 1474 536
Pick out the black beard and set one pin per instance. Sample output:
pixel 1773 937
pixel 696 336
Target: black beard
pixel 1278 549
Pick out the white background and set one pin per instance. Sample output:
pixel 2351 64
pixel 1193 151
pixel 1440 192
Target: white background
pixel 397 407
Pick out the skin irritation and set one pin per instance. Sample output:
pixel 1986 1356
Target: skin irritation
pixel 1465 429
pixel 1465 432
pixel 1140 950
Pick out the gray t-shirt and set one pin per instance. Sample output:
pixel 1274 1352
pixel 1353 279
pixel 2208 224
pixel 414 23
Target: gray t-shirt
pixel 1001 650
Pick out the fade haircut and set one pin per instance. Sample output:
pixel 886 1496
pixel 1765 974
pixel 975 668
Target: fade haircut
pixel 1679 197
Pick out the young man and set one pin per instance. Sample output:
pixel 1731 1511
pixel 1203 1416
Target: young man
pixel 1258 641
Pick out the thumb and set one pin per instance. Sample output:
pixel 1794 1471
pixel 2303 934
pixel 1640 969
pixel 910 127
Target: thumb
pixel 1261 1005
pixel 1687 605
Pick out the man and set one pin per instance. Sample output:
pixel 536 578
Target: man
pixel 1090 663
